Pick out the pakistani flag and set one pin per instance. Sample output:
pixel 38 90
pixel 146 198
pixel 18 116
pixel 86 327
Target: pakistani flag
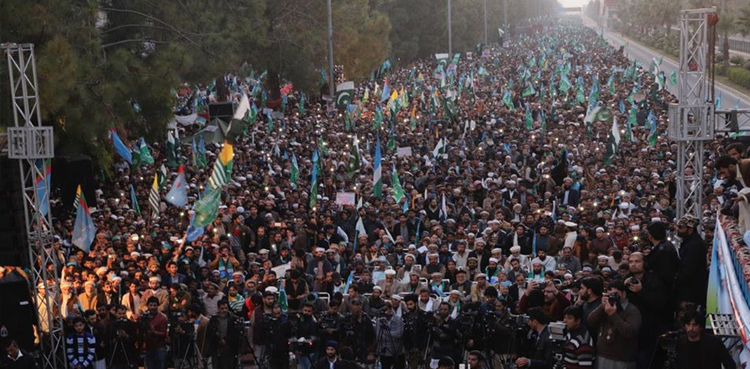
pixel 353 165
pixel 222 167
pixel 398 191
pixel 377 119
pixel 153 197
pixel 344 94
pixel 294 172
pixel 508 100
pixel 162 176
pixel 614 141
pixel 146 157
pixel 598 114
pixel 377 177
pixel 439 148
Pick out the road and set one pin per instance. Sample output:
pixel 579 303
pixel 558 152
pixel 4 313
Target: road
pixel 636 51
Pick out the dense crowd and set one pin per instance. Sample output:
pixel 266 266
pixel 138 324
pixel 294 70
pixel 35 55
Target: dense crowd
pixel 511 213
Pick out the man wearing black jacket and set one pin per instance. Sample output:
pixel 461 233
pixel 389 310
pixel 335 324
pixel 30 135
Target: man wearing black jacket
pixel 16 358
pixel 540 357
pixel 698 349
pixel 415 331
pixel 692 277
pixel 646 291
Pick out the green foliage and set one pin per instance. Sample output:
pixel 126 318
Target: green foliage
pixel 737 60
pixel 740 76
pixel 743 21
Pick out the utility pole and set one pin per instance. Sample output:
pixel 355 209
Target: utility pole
pixel 330 52
pixel 450 36
pixel 485 22
pixel 505 16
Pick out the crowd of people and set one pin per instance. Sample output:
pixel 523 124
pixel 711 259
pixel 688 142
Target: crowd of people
pixel 510 217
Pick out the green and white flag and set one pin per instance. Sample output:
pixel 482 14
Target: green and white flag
pixel 172 155
pixel 146 157
pixel 612 144
pixel 398 191
pixel 529 91
pixel 353 165
pixel 207 208
pixel 439 148
pixel 294 172
pixel 598 114
pixel 344 94
pixel 162 176
pixel 528 118
pixel 673 78
pixel 153 197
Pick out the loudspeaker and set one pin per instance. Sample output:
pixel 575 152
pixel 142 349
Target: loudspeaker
pixel 221 110
pixel 13 246
pixel 17 314
pixel 70 171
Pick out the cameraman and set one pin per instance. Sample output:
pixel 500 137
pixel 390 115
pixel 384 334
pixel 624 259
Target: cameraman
pixel 259 339
pixel 389 331
pixel 224 330
pixel 122 340
pixel 444 334
pixel 416 322
pixel 358 331
pixel 154 325
pixel 647 292
pixel 279 329
pixel 579 350
pixel 329 324
pixel 541 357
pixel 306 328
pixel 617 322
pixel 181 335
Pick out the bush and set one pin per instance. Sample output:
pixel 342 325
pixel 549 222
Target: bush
pixel 737 60
pixel 747 65
pixel 719 58
pixel 740 76
pixel 720 69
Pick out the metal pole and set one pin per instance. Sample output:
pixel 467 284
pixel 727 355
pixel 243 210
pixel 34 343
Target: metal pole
pixel 330 52
pixel 485 22
pixel 505 16
pixel 450 36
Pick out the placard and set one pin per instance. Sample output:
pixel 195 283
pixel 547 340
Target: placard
pixel 345 198
pixel 403 151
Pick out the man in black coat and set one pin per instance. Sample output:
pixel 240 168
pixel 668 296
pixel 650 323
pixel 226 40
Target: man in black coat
pixel 698 349
pixel 541 356
pixel 646 291
pixel 663 260
pixel 16 358
pixel 692 278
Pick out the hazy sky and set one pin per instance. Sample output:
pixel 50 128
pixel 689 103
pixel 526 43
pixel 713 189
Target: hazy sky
pixel 572 2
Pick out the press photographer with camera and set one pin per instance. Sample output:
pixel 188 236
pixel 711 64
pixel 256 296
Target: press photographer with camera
pixel 305 328
pixel 389 330
pixel 617 323
pixel 329 324
pixel 259 338
pixel 444 334
pixel 154 334
pixel 357 331
pixel 279 331
pixel 122 341
pixel 181 337
pixel 416 322
pixel 541 355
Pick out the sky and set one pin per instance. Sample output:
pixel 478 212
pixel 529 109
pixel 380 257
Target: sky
pixel 569 3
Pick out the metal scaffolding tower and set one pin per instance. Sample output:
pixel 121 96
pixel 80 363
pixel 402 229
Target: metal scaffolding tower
pixel 30 143
pixel 691 122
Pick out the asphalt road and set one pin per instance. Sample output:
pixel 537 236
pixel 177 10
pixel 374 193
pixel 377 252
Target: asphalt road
pixel 636 51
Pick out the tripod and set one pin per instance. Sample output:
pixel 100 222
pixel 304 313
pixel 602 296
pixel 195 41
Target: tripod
pixel 387 337
pixel 119 346
pixel 196 360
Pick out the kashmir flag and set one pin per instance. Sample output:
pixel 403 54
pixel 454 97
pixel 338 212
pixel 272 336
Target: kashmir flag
pixel 377 180
pixel 146 157
pixel 508 100
pixel 398 191
pixel 84 229
pixel 153 197
pixel 43 183
pixel 177 195
pixel 528 118
pixel 614 141
pixel 222 167
pixel 207 208
pixel 673 78
pixel 172 159
pixel 294 172
pixel 120 147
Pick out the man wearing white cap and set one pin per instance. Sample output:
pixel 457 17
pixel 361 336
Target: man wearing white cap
pixel 89 298
pixel 571 235
pixel 154 283
pixel 523 260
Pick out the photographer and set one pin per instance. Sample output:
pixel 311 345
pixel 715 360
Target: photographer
pixel 329 323
pixel 259 339
pixel 181 336
pixel 278 328
pixel 617 323
pixel 647 292
pixel 416 322
pixel 358 332
pixel 154 326
pixel 122 331
pixel 200 323
pixel 579 350
pixel 389 331
pixel 306 328
pixel 444 334
pixel 541 356
pixel 224 330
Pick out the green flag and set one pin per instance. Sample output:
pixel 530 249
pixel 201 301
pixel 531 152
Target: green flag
pixel 162 176
pixel 353 165
pixel 377 120
pixel 322 146
pixel 529 91
pixel 294 172
pixel 344 94
pixel 172 155
pixel 398 191
pixel 612 143
pixel 207 208
pixel 598 114
pixel 508 100
pixel 673 78
pixel 528 118
pixel 580 97
pixel 269 124
pixel 632 116
pixel 301 105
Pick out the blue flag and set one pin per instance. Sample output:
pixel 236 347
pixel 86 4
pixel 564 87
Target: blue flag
pixel 622 107
pixel 177 196
pixel 120 147
pixel 192 232
pixel 718 101
pixel 84 229
pixel 42 185
pixel 386 92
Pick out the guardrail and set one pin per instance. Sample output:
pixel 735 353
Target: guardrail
pixel 742 46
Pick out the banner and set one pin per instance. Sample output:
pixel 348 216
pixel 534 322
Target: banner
pixel 725 293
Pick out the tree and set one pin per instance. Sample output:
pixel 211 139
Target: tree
pixel 743 21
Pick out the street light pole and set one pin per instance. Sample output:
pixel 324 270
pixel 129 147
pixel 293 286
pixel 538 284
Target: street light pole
pixel 485 22
pixel 330 52
pixel 450 36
